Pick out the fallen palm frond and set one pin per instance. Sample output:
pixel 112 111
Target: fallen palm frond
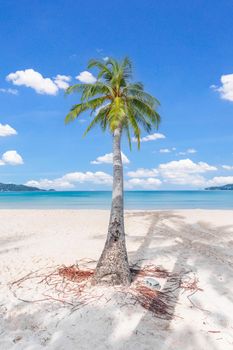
pixel 158 303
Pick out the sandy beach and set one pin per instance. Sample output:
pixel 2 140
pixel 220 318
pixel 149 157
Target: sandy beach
pixel 195 243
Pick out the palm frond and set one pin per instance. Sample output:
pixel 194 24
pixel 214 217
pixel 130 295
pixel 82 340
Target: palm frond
pixel 98 88
pixel 141 94
pixel 134 125
pixel 100 118
pixel 127 129
pixel 77 109
pixel 126 67
pixel 104 71
pixel 144 109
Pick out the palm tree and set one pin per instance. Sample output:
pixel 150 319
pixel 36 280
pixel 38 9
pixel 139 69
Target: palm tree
pixel 120 106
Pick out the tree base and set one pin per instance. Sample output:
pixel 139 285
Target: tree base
pixel 113 267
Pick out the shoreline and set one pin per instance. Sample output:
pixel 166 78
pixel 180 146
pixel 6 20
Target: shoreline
pixel 133 200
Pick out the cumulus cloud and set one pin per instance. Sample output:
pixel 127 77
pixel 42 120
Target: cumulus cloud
pixel 35 80
pixel 181 172
pixel 99 177
pixel 141 172
pixel 227 167
pixel 9 91
pixel 46 184
pixel 69 180
pixel 220 180
pixel 185 172
pixel 108 158
pixel 62 81
pixel 11 158
pixel 7 130
pixel 186 165
pixel 151 137
pixel 149 183
pixel 86 77
pixel 226 89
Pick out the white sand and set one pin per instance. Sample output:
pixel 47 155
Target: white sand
pixel 200 241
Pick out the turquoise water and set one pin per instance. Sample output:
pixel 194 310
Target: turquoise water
pixel 133 200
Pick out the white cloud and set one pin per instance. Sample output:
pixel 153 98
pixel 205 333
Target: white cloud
pixel 35 80
pixel 62 81
pixel 86 77
pixel 186 165
pixel 226 90
pixel 151 137
pixel 107 159
pixel 141 172
pixel 220 180
pixel 46 184
pixel 227 167
pixel 9 91
pixel 11 158
pixel 185 172
pixel 7 130
pixel 71 179
pixel 182 172
pixel 191 150
pixel 164 150
pixel 188 151
pixel 167 150
pixel 149 183
pixel 99 177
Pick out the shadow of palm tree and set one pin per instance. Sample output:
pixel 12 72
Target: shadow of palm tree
pixel 192 246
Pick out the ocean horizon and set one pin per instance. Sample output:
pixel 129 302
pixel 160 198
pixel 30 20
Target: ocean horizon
pixel 137 200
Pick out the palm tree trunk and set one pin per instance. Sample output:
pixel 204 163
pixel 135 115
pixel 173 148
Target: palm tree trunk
pixel 113 267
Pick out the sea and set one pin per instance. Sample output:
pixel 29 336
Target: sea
pixel 138 200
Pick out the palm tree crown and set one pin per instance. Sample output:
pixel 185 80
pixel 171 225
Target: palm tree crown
pixel 114 101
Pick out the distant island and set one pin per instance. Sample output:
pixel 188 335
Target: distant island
pixel 222 188
pixel 19 188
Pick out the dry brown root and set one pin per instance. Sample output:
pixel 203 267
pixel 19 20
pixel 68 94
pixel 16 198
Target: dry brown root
pixel 70 286
pixel 72 273
pixel 190 284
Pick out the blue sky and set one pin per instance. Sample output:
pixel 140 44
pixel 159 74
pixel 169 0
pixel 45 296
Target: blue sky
pixel 182 51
